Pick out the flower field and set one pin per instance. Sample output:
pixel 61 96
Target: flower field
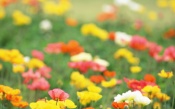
pixel 93 54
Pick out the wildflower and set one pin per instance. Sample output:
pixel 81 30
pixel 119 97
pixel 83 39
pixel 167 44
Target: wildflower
pixel 157 105
pixel 54 48
pixel 101 62
pixel 18 68
pixel 39 84
pixel 135 69
pixel 169 54
pixel 162 96
pixel 21 104
pixel 137 85
pixel 71 22
pixel 83 56
pixel 122 38
pixel 152 15
pixel 20 18
pixel 164 74
pixel 81 82
pixel 58 94
pixel 130 97
pixel 97 78
pixel 50 7
pixel 45 71
pixel 94 88
pixel 162 3
pixel 170 33
pixel 109 73
pixel 45 25
pixel 86 97
pixel 1 67
pixel 2 13
pixel 138 43
pixel 35 63
pixel 37 54
pixel 119 105
pixel 110 83
pixel 151 91
pixel 108 13
pixel 92 29
pixel 149 78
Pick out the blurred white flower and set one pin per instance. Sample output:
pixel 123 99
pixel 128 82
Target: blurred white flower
pixel 26 59
pixel 45 25
pixel 130 97
pixel 108 8
pixel 101 61
pixel 81 57
pixel 122 38
pixel 122 2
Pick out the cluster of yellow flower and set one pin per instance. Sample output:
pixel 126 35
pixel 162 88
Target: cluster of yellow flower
pixel 12 95
pixel 81 82
pixel 92 94
pixel 48 7
pixel 155 92
pixel 20 18
pixel 52 104
pixel 92 29
pixel 53 8
pixel 166 3
pixel 125 53
pixel 18 61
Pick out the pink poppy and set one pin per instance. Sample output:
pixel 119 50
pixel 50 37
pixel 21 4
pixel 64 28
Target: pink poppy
pixel 54 48
pixel 138 43
pixel 45 71
pixel 58 94
pixel 169 54
pixel 37 54
pixel 39 84
pixel 30 75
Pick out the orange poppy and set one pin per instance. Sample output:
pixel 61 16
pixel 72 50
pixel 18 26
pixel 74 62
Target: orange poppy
pixel 21 104
pixel 97 78
pixel 149 78
pixel 119 105
pixel 112 35
pixel 170 33
pixel 71 22
pixel 109 73
pixel 106 16
pixel 88 108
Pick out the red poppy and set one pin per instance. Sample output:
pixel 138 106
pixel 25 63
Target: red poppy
pixel 149 78
pixel 97 78
pixel 138 43
pixel 119 105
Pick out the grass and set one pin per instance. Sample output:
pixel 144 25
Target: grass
pixel 27 38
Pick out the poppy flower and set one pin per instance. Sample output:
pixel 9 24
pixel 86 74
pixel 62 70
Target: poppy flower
pixel 37 54
pixel 138 43
pixel 112 35
pixel 170 33
pixel 97 78
pixel 58 94
pixel 109 73
pixel 71 22
pixel 149 78
pixel 119 105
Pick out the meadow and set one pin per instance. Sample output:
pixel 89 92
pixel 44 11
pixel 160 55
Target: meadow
pixel 65 54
